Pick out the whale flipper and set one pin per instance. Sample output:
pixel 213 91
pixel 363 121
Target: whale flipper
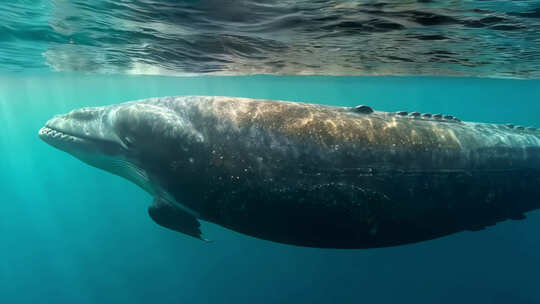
pixel 174 218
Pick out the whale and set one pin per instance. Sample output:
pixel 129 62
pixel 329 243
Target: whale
pixel 308 174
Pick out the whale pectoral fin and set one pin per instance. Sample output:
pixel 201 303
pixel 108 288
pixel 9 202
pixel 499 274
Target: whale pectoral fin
pixel 174 218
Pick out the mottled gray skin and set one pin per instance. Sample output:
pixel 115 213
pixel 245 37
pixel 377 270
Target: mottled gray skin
pixel 311 175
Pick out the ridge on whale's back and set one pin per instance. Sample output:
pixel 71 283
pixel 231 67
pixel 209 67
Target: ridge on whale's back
pixel 465 38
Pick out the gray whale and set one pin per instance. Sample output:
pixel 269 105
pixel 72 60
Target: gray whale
pixel 307 174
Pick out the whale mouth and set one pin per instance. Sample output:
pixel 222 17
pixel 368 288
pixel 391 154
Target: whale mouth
pixel 49 134
pixel 98 152
pixel 64 139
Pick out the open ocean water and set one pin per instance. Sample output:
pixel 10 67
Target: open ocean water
pixel 70 233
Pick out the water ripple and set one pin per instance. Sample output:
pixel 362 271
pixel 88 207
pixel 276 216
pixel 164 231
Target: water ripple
pixel 465 38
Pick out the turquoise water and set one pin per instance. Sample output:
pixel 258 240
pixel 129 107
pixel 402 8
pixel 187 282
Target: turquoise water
pixel 74 234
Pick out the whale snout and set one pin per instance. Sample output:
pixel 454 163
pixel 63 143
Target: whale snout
pixel 81 122
pixel 81 129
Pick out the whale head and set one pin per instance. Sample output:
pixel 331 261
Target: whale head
pixel 131 140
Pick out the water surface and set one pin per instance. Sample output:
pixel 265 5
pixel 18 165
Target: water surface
pixel 331 37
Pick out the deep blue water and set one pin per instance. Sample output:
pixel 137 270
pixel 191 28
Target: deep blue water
pixel 73 234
